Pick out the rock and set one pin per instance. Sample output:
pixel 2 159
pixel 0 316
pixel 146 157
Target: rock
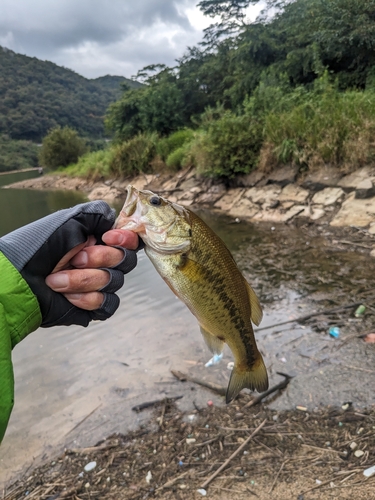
pixel 292 192
pixel 365 189
pixel 355 212
pixel 283 176
pixel 212 194
pixel 328 196
pixel 244 208
pixel 105 193
pixel 279 215
pixel 267 194
pixel 351 181
pixel 187 184
pixel 372 253
pixel 312 212
pixel 371 229
pixel 229 199
pixel 326 177
pixel 248 180
pixel 142 181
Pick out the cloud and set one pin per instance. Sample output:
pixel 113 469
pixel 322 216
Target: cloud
pixel 99 37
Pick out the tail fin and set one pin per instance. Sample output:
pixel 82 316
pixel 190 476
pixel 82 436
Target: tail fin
pixel 255 378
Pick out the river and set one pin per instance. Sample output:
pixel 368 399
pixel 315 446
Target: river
pixel 77 385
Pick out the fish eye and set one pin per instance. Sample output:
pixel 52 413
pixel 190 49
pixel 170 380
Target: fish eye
pixel 155 200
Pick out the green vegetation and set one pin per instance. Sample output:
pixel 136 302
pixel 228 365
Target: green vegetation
pixel 37 96
pixel 296 86
pixel 17 155
pixel 60 148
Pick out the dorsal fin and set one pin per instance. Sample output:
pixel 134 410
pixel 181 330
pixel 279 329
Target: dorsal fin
pixel 255 307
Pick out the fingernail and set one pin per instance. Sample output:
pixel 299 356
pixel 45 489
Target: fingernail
pixel 80 259
pixel 58 281
pixel 74 296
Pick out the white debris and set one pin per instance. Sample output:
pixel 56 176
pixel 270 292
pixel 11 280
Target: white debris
pixel 148 477
pixel 202 492
pixel 369 472
pixel 216 358
pixel 89 466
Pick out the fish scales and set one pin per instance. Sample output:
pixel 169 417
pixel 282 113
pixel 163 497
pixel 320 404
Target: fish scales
pixel 201 271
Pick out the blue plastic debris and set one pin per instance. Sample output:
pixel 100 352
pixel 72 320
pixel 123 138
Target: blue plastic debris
pixel 334 331
pixel 216 358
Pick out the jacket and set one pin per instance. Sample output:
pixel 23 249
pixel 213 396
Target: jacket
pixel 19 315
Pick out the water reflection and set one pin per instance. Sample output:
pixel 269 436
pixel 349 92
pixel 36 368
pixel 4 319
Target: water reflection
pixel 65 374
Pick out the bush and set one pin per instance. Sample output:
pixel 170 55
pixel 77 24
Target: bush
pixel 134 156
pixel 17 155
pixel 61 147
pixel 176 140
pixel 227 146
pixel 176 159
pixel 95 165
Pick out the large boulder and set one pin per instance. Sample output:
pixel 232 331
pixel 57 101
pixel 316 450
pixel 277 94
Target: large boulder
pixel 355 212
pixel 328 196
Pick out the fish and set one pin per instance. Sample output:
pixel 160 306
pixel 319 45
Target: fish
pixel 200 270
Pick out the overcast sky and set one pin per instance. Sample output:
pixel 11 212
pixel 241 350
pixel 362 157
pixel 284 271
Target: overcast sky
pixel 100 37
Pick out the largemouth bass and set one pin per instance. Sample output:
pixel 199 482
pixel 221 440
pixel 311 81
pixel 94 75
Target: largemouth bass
pixel 201 271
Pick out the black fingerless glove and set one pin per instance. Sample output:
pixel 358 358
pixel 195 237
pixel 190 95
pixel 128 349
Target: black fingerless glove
pixel 36 248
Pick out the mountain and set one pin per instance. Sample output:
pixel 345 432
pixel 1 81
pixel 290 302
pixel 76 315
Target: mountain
pixel 36 96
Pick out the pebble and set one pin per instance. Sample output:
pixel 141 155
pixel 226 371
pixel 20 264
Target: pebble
pixel 359 453
pixel 353 445
pixel 89 466
pixel 190 440
pixel 148 477
pixel 202 492
pixel 369 472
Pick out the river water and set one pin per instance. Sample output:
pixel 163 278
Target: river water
pixel 77 385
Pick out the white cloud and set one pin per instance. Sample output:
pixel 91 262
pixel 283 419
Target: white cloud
pixel 97 37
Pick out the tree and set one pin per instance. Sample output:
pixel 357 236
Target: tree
pixel 61 147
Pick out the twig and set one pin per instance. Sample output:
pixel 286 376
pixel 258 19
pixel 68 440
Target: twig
pixel 235 453
pixel 83 420
pixel 172 481
pixel 277 475
pixel 277 387
pixel 156 402
pixel 308 316
pixel 213 387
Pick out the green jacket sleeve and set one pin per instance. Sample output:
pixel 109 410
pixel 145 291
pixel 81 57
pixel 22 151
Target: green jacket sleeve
pixel 19 316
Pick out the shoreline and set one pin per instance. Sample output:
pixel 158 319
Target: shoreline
pixel 323 197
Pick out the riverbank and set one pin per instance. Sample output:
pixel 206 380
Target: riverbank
pixel 325 197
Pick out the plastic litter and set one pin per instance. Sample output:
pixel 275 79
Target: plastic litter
pixel 216 358
pixel 89 466
pixel 148 477
pixel 230 365
pixel 369 472
pixel 360 311
pixel 334 332
pixel 190 440
pixel 210 403
pixel 202 492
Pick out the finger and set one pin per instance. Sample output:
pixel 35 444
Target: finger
pixel 121 237
pixel 97 256
pixel 64 262
pixel 78 280
pixel 88 301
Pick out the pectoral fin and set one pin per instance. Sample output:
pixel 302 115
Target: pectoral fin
pixel 255 307
pixel 214 344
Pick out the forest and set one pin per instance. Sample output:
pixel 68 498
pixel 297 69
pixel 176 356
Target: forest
pixel 295 86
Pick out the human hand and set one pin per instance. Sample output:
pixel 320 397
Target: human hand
pixel 80 276
pixel 38 249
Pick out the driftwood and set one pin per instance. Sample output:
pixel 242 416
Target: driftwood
pixel 301 319
pixel 278 387
pixel 156 402
pixel 208 385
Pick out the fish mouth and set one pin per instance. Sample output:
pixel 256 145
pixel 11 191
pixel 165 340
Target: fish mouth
pixel 131 200
pixel 124 220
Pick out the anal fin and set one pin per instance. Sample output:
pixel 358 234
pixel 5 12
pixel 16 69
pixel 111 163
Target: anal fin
pixel 255 307
pixel 214 344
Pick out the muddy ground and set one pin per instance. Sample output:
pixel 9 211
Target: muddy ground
pixel 256 451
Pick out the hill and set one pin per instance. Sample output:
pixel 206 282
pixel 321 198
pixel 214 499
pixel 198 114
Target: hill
pixel 39 95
